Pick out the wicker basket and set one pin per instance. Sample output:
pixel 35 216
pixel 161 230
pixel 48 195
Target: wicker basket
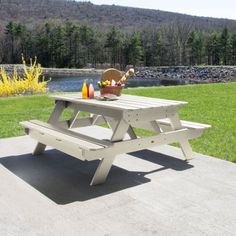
pixel 116 90
pixel 111 74
pixel 117 76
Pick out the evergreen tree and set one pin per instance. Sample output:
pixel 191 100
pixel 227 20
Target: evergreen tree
pixel 157 49
pixel 11 32
pixel 59 46
pixel 134 49
pixel 15 32
pixel 68 44
pixel 87 41
pixel 213 49
pixel 225 46
pixel 192 48
pixel 233 43
pixel 152 48
pixel 114 43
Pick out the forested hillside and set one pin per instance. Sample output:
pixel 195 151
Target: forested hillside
pixel 33 12
pixel 74 34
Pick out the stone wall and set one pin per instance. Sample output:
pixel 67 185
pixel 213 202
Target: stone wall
pixel 56 72
pixel 189 74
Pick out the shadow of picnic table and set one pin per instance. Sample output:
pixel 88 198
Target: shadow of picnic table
pixel 65 179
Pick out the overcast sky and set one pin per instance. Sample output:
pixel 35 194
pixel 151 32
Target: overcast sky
pixel 217 8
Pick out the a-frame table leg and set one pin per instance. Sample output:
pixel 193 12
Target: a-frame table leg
pixel 184 143
pixel 54 117
pixel 102 170
pixel 119 127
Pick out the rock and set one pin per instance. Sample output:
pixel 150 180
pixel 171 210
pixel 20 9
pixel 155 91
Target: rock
pixel 192 74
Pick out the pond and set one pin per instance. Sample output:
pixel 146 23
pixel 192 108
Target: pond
pixel 74 84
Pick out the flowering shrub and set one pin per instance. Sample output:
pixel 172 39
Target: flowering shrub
pixel 28 83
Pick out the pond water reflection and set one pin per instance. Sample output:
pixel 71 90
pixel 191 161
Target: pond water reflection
pixel 74 84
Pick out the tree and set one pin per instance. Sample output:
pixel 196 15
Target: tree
pixel 10 31
pixel 169 47
pixel 195 46
pixel 114 44
pixel 152 48
pixel 191 47
pixel 69 44
pixel 87 40
pixel 213 49
pixel 59 34
pixel 69 28
pixel 181 30
pixel 225 46
pixel 15 32
pixel 1 45
pixel 134 49
pixel 157 50
pixel 233 43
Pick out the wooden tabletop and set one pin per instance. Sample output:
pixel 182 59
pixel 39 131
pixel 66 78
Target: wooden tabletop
pixel 124 102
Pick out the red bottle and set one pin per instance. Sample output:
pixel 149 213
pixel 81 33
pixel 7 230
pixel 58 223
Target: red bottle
pixel 91 91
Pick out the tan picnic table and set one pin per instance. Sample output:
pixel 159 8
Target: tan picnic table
pixel 121 116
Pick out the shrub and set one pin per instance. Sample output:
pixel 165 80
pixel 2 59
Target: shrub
pixel 28 83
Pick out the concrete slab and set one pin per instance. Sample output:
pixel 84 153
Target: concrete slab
pixel 151 192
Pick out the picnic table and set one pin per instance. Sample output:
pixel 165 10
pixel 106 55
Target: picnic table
pixel 83 137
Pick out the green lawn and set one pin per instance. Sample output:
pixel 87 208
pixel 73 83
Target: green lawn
pixel 213 104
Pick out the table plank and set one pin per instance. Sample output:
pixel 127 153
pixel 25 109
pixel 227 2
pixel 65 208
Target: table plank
pixel 125 102
pixel 149 100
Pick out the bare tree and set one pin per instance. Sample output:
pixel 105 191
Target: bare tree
pixel 182 30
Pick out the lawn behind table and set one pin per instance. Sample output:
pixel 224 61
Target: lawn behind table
pixel 213 104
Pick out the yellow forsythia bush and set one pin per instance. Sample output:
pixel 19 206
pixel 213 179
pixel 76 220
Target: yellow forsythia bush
pixel 28 83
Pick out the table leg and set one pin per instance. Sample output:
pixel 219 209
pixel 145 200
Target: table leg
pixel 184 144
pixel 102 170
pixel 74 117
pixel 119 128
pixel 58 109
pixel 40 147
pixel 155 127
pixel 54 117
pixel 131 133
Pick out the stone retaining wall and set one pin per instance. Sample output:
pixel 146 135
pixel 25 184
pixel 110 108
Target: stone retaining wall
pixel 189 74
pixel 56 72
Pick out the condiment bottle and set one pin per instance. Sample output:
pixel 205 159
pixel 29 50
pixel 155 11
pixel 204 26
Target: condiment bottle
pixel 84 91
pixel 87 83
pixel 91 91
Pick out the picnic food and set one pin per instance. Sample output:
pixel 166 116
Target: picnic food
pixel 108 83
pixel 113 81
pixel 129 73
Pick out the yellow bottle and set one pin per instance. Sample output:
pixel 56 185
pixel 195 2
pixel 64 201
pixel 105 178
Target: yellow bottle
pixel 84 91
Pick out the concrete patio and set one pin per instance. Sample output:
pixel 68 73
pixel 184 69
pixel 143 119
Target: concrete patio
pixel 151 192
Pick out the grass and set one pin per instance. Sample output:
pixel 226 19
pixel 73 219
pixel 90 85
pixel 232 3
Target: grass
pixel 213 104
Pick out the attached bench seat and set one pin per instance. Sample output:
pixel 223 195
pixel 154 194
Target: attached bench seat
pixel 92 142
pixel 72 143
pixel 166 126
